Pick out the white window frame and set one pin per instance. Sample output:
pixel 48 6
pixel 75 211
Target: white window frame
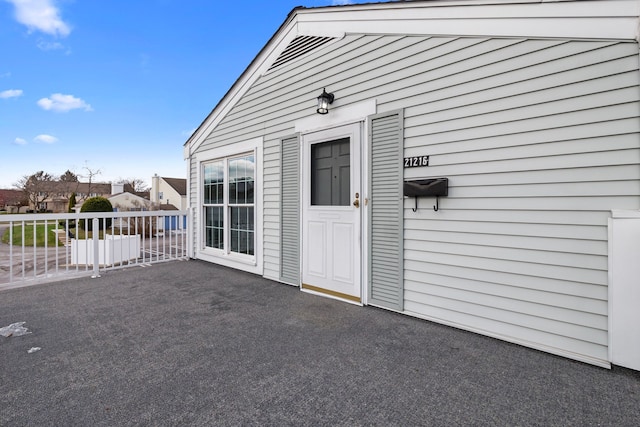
pixel 250 263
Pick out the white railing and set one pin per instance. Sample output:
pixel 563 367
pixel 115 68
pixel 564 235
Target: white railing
pixel 42 247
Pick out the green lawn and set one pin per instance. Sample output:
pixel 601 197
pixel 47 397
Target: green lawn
pixel 40 234
pixel 28 235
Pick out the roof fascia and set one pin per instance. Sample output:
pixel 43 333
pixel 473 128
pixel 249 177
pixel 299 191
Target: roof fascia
pixel 575 19
pixel 571 19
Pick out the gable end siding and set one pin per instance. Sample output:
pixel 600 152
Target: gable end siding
pixel 537 156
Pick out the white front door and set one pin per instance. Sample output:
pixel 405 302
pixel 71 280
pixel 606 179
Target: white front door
pixel 331 212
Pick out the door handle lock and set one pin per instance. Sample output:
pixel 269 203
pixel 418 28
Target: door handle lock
pixel 356 202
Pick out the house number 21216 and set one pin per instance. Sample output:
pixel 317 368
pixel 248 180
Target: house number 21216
pixel 416 161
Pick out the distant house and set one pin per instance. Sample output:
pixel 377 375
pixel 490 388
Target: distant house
pixel 169 191
pixel 58 193
pixel 126 201
pixel 523 115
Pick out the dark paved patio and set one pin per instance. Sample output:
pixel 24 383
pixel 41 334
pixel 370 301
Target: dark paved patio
pixel 189 343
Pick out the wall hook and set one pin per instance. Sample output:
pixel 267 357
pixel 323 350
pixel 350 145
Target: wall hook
pixel 435 208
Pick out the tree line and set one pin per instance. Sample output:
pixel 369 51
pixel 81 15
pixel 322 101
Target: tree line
pixel 39 186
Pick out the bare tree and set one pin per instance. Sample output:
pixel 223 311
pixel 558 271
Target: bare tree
pixel 36 187
pixel 138 185
pixel 89 175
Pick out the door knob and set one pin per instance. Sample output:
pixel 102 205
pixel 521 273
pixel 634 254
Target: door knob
pixel 356 202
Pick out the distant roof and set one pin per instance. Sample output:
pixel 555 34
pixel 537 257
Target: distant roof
pixel 101 188
pixel 140 195
pixel 167 207
pixel 178 184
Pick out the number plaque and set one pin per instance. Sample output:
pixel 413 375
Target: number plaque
pixel 416 161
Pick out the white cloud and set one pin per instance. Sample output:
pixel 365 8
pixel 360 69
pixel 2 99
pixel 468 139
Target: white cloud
pixel 5 75
pixel 11 93
pixel 40 15
pixel 45 139
pixel 20 141
pixel 62 103
pixel 340 2
pixel 45 45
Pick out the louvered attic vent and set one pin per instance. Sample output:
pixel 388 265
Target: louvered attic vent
pixel 300 46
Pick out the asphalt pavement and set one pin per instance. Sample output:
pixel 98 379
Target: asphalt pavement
pixel 191 343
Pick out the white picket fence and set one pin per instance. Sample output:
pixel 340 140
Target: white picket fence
pixel 45 247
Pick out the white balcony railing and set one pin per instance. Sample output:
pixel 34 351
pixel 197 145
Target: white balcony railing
pixel 41 247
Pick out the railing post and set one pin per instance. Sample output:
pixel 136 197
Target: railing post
pixel 96 248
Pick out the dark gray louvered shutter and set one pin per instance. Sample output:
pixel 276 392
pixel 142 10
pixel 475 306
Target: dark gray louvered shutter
pixel 290 211
pixel 386 211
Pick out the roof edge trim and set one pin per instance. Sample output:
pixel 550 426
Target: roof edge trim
pixel 572 19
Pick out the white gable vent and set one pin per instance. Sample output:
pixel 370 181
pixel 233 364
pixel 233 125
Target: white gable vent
pixel 298 47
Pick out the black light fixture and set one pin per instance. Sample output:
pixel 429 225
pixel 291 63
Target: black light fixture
pixel 324 100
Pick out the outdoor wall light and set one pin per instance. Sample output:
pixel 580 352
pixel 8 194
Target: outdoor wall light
pixel 324 100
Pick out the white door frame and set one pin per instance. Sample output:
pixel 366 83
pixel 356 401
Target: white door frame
pixel 355 131
pixel 357 112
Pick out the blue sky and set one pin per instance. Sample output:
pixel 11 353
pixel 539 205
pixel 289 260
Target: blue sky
pixel 119 85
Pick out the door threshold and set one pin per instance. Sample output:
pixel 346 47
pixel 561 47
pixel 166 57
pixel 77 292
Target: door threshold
pixel 331 294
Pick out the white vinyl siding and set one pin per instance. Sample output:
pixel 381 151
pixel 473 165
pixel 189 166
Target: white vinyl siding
pixel 536 158
pixel 539 140
pixel 272 174
pixel 193 183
